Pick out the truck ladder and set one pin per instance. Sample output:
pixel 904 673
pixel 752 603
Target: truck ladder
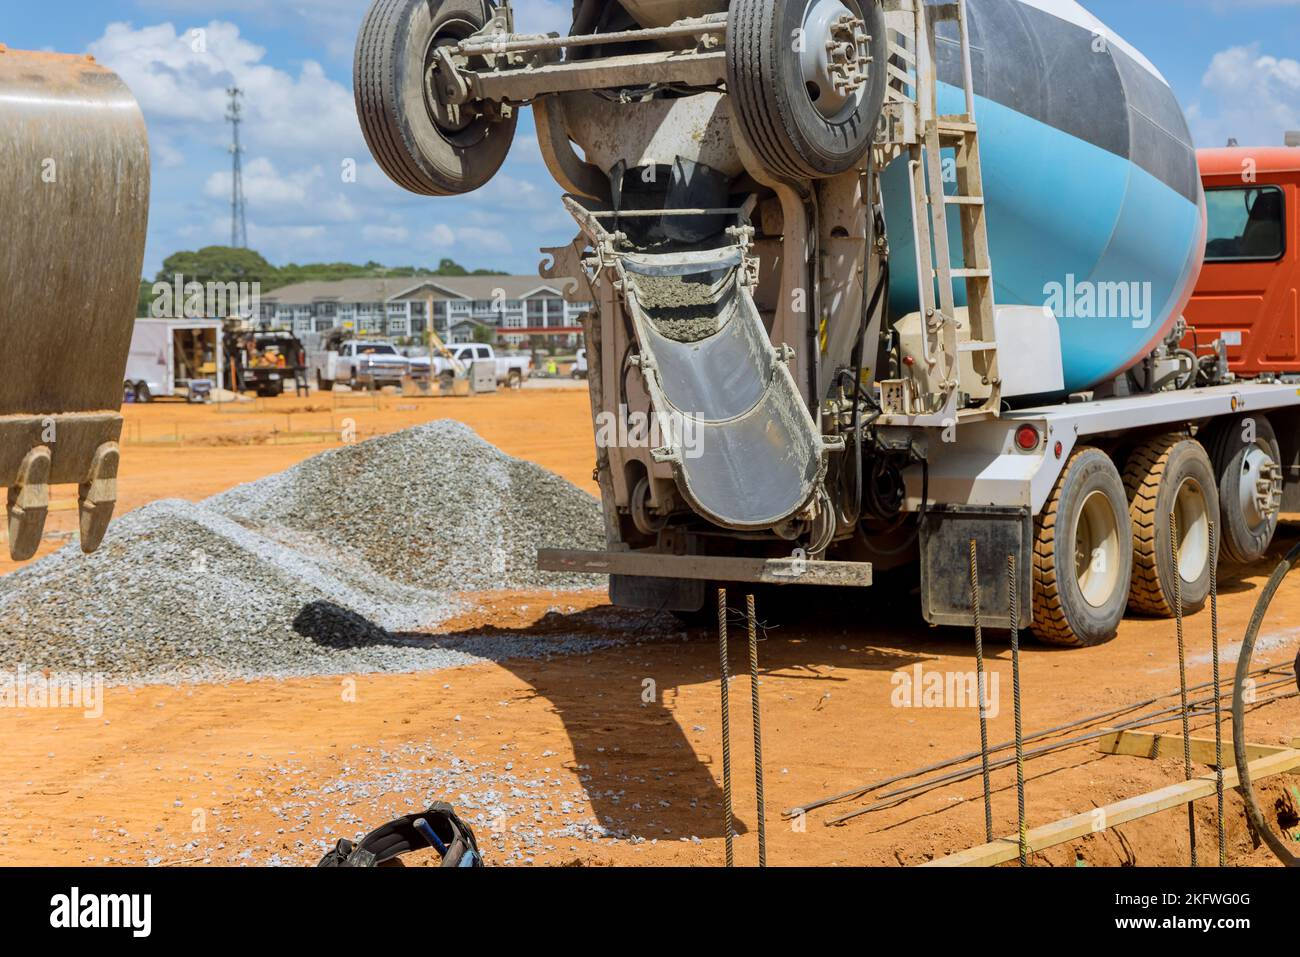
pixel 960 132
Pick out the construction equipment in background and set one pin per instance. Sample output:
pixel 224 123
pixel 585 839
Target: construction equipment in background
pixel 74 206
pixel 264 361
pixel 437 347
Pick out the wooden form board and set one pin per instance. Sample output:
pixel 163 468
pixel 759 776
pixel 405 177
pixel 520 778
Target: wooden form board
pixel 1143 744
pixel 1280 761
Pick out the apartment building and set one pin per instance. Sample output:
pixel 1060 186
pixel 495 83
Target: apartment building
pixel 518 308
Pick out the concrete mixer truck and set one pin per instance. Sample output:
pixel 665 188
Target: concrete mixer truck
pixel 877 280
pixel 75 157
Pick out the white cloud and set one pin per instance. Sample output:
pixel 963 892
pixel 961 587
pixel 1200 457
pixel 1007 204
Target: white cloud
pixel 331 25
pixel 386 234
pixel 450 239
pixel 299 130
pixel 1249 96
pixel 181 78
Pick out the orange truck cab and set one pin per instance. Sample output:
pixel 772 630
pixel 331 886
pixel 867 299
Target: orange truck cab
pixel 1247 292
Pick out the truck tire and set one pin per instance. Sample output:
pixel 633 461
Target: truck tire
pixel 1083 555
pixel 1249 521
pixel 323 384
pixel 515 380
pixel 1170 474
pixel 142 393
pixel 423 149
pixel 798 125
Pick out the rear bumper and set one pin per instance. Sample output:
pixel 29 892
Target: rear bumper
pixel 767 571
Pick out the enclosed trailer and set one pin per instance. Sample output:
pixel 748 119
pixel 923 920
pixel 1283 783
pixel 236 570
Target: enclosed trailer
pixel 171 357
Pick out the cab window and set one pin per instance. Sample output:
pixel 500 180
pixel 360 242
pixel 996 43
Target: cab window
pixel 1246 224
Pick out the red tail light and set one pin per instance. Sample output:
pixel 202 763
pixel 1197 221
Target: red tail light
pixel 1028 438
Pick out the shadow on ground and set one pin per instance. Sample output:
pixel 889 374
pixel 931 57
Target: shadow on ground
pixel 626 743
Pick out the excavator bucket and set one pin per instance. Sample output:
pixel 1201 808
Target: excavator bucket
pixel 74 207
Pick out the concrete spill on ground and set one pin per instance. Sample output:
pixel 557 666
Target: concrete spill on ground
pixel 327 568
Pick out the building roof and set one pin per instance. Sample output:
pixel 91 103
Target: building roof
pixel 343 290
pixel 418 287
pixel 486 287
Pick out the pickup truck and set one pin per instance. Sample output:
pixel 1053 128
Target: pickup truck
pixel 513 371
pixel 361 363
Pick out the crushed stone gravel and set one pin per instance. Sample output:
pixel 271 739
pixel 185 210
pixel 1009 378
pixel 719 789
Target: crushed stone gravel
pixel 340 565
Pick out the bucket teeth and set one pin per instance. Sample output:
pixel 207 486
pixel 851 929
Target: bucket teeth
pixel 29 504
pixel 98 496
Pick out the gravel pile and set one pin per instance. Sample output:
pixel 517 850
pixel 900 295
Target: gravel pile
pixel 432 506
pixel 327 568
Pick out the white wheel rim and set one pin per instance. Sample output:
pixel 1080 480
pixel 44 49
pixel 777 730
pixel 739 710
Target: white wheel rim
pixel 1257 492
pixel 1193 530
pixel 830 99
pixel 1097 550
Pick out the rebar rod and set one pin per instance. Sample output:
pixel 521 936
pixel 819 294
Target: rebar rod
pixel 1036 736
pixel 752 620
pixel 726 727
pixel 980 688
pixel 1177 576
pixel 902 795
pixel 1218 702
pixel 1014 583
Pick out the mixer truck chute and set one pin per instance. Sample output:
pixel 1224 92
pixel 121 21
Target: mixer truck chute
pixel 76 171
pixel 847 257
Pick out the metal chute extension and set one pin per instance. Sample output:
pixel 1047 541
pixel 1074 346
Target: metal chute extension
pixel 745 451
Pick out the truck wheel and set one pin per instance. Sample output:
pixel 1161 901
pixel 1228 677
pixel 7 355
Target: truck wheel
pixel 1247 461
pixel 1083 555
pixel 515 380
pixel 142 393
pixel 1170 474
pixel 794 107
pixel 323 384
pixel 423 146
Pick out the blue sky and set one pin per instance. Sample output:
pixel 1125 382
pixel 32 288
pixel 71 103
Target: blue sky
pixel 1233 64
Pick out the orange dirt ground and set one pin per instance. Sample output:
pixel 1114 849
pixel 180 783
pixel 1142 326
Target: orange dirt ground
pixel 629 737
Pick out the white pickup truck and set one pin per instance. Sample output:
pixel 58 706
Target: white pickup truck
pixel 361 363
pixel 511 370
